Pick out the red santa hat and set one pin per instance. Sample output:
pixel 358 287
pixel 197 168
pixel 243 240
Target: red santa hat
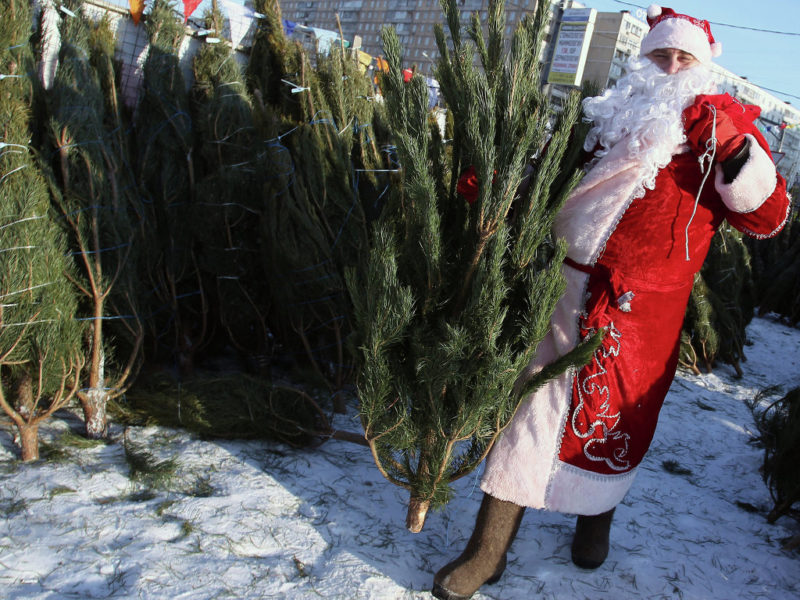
pixel 669 29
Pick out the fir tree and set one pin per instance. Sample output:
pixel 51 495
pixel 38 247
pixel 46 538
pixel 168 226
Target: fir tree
pixel 721 305
pixel 273 59
pixel 40 341
pixel 94 196
pixel 229 201
pixel 779 272
pixel 779 432
pixel 454 299
pixel 175 301
pixel 323 152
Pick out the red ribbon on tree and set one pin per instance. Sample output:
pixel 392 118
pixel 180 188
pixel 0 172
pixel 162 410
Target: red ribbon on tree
pixel 467 184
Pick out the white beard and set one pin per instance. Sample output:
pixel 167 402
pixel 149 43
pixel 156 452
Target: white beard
pixel 644 111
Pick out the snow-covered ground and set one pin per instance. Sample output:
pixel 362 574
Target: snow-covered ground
pixel 260 520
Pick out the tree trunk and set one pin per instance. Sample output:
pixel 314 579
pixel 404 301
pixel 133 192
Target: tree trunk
pixel 29 441
pixel 94 403
pixel 418 507
pixel 417 511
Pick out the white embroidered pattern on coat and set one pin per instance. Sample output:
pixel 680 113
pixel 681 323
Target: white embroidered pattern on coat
pixel 603 419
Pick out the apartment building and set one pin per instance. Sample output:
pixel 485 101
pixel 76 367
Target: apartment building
pixel 616 37
pixel 413 20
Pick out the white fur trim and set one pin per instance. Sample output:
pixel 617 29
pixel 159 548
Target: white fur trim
pixel 592 211
pixel 573 490
pixel 716 49
pixel 681 34
pixel 519 467
pixel 754 183
pixel 653 11
pixel 523 467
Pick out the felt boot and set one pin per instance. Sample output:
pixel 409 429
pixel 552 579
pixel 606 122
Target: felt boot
pixel 484 558
pixel 590 545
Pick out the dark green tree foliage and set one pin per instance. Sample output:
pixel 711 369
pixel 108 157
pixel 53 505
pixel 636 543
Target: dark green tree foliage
pixel 41 351
pixel 173 298
pixel 229 199
pixel 94 195
pixel 778 272
pixel 322 148
pixel 453 300
pixel 721 305
pixel 273 58
pixel 126 327
pixel 779 428
pixel 226 406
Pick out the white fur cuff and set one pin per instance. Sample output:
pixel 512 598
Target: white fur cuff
pixel 753 185
pixel 573 490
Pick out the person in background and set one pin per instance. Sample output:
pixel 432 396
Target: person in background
pixel 670 161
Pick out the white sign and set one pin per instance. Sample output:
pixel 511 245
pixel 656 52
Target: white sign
pixel 572 46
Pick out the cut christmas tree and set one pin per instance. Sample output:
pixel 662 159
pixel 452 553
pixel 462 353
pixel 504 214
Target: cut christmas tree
pixel 778 426
pixel 322 182
pixel 454 297
pixel 41 353
pixel 94 192
pixel 229 203
pixel 778 271
pixel 173 297
pixel 721 305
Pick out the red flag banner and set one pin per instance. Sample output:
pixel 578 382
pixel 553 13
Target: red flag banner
pixel 188 7
pixel 137 8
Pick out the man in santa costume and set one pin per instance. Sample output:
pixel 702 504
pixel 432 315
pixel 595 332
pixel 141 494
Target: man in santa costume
pixel 671 161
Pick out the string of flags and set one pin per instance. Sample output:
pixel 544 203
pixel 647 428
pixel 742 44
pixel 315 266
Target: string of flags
pixel 781 127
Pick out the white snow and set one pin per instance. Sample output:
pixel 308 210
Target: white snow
pixel 261 520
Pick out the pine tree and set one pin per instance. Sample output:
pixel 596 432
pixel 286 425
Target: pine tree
pixel 94 196
pixel 778 272
pixel 323 152
pixel 453 299
pixel 274 58
pixel 779 432
pixel 229 199
pixel 175 301
pixel 40 341
pixel 721 305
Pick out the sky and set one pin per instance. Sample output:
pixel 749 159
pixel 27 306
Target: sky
pixel 252 519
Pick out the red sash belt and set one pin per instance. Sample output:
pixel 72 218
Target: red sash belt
pixel 606 284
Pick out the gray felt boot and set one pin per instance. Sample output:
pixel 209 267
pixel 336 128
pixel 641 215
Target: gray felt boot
pixel 484 558
pixel 590 546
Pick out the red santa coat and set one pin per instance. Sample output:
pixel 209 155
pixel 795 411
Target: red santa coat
pixel 575 444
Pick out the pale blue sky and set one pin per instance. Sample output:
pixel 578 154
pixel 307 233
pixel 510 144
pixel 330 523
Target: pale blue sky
pixel 770 60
